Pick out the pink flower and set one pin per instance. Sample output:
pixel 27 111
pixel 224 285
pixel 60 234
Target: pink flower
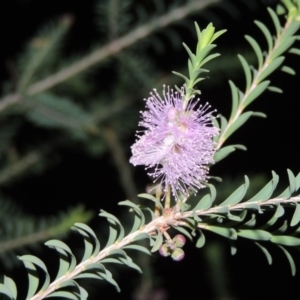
pixel 177 143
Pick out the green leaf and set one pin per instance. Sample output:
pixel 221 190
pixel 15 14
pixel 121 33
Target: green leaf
pixel 138 248
pixel 225 151
pixel 275 20
pixel 298 182
pixel 272 66
pixel 139 218
pixel 237 195
pixel 152 198
pixel 247 71
pixel 256 92
pixel 88 234
pixel 265 252
pixel 183 231
pixel 292 181
pixel 285 240
pixel 213 192
pixel 30 262
pixel 266 192
pixel 11 285
pixel 67 261
pixel 282 228
pixel 250 223
pixel 288 70
pixel 235 98
pixel 141 236
pixel 277 213
pixel 110 279
pixel 290 260
pixel 292 186
pixel 296 216
pixel 201 240
pixel 256 49
pixel 190 53
pixel 6 291
pixel 294 51
pixel 237 124
pixel 208 58
pixel 284 45
pixel 224 123
pixel 254 234
pixel 275 89
pixel 204 204
pixel 113 237
pixel 181 75
pixel 229 233
pixel 131 264
pixel 266 33
pixel 233 248
pixel 158 242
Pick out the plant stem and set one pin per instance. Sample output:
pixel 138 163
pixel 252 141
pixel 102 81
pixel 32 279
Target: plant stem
pixel 172 219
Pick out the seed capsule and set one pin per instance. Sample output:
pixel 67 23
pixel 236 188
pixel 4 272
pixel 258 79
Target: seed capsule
pixel 179 240
pixel 178 254
pixel 164 250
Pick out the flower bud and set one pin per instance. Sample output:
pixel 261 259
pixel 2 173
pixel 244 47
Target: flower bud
pixel 179 240
pixel 164 250
pixel 178 254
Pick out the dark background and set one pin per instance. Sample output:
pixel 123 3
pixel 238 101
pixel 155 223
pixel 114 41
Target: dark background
pixel 272 144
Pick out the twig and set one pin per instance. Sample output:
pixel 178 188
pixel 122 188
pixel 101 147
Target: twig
pixel 173 219
pixel 108 50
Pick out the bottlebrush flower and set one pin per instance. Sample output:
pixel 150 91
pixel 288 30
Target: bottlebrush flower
pixel 177 142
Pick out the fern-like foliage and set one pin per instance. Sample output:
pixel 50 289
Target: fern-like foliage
pixel 21 231
pixel 42 53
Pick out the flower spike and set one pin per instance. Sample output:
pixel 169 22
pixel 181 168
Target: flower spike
pixel 177 143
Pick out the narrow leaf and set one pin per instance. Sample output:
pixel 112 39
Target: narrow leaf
pixel 152 198
pixel 290 260
pixel 254 234
pixel 183 231
pixel 275 20
pixel 275 89
pixel 36 261
pixel 285 240
pixel 204 204
pixel 288 70
pixel 237 195
pixel 11 285
pixel 234 97
pixel 266 192
pixel 158 242
pixel 201 240
pixel 247 71
pixel 138 248
pixel 229 233
pixel 266 33
pixel 256 92
pixel 273 65
pixel 296 216
pixel 265 252
pixel 256 49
